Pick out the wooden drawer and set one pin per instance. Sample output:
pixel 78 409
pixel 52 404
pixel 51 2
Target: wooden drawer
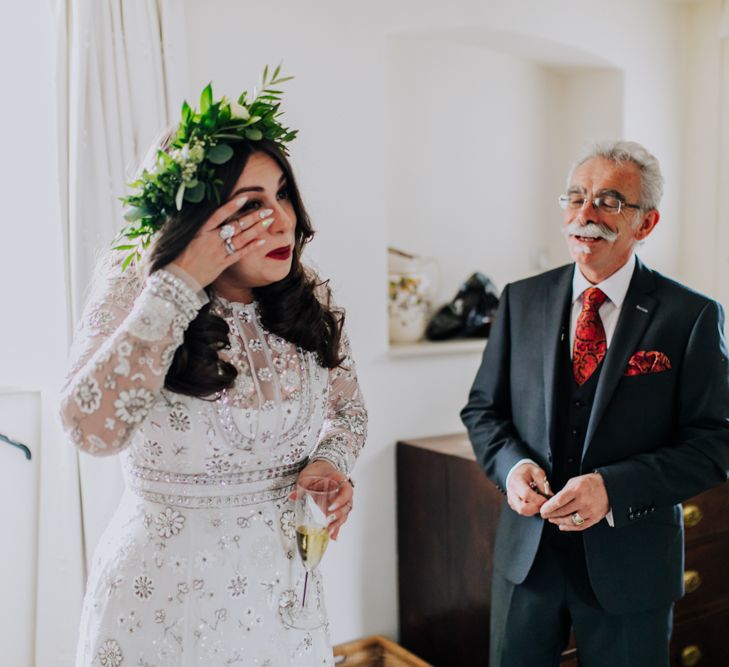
pixel 707 514
pixel 701 641
pixel 444 599
pixel 706 575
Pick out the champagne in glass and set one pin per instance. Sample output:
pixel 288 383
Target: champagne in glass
pixel 312 542
pixel 314 495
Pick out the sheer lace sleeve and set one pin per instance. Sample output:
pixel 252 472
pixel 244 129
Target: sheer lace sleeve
pixel 122 350
pixel 345 427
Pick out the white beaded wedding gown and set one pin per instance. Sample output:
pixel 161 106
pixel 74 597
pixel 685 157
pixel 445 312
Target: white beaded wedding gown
pixel 200 558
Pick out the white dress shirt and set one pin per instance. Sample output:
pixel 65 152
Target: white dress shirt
pixel 615 287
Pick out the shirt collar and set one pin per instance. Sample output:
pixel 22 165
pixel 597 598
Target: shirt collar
pixel 615 286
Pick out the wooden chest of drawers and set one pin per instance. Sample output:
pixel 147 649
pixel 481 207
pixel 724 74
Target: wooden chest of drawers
pixel 701 621
pixel 447 514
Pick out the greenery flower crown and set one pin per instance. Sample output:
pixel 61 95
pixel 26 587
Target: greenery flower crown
pixel 186 170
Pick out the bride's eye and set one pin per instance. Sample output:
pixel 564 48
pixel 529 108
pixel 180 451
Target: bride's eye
pixel 249 206
pixel 283 193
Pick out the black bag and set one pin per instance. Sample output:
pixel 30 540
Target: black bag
pixel 469 314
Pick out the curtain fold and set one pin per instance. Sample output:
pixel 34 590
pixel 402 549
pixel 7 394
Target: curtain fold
pixel 128 75
pixel 121 75
pixel 60 567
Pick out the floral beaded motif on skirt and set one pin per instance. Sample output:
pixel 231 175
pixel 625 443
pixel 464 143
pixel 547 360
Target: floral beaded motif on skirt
pixel 198 587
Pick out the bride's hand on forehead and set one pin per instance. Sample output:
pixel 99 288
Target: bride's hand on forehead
pixel 225 237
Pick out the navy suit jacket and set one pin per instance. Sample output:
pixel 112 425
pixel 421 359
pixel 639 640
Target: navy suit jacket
pixel 657 439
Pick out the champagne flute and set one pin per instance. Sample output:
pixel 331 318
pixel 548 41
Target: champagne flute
pixel 314 495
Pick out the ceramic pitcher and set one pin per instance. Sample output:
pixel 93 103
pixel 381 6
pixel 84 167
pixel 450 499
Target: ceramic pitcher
pixel 410 288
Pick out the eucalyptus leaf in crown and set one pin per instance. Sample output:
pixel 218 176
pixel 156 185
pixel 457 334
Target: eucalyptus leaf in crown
pixel 186 170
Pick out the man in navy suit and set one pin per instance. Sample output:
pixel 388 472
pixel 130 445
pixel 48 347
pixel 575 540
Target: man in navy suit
pixel 602 403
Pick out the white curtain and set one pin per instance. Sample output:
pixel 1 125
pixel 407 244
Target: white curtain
pixel 127 78
pixel 121 78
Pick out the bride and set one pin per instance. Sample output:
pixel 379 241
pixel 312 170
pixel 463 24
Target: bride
pixel 214 363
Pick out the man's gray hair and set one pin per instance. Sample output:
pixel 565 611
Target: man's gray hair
pixel 651 179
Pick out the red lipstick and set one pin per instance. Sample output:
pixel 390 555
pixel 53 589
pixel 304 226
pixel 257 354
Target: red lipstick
pixel 282 253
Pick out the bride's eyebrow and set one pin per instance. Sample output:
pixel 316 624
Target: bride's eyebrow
pixel 256 188
pixel 252 188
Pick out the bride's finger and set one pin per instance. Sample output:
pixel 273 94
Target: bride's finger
pixel 340 519
pixel 344 498
pixel 244 237
pixel 241 250
pixel 220 215
pixel 244 229
pixel 252 220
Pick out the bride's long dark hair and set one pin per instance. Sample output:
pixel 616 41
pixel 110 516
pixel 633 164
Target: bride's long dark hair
pixel 289 308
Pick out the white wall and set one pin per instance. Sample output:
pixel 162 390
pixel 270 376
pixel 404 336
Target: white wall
pixel 646 40
pixel 34 338
pixel 31 261
pixel 702 191
pixel 478 146
pixel 338 52
pixel 467 144
pixel 19 415
pixel 572 129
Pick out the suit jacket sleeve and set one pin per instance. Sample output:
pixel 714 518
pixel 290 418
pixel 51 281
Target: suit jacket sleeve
pixel 698 456
pixel 487 415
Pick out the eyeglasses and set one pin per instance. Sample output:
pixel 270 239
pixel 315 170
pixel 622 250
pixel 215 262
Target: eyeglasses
pixel 605 203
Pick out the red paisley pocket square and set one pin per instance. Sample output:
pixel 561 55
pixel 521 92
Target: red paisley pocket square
pixel 647 361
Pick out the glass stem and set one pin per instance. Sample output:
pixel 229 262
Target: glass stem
pixel 306 581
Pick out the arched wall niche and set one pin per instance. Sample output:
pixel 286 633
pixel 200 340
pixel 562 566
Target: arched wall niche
pixel 482 129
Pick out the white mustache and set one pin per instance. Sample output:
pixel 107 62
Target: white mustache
pixel 591 230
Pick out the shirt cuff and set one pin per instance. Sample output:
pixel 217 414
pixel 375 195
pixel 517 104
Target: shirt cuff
pixel 337 449
pixel 514 467
pixel 193 284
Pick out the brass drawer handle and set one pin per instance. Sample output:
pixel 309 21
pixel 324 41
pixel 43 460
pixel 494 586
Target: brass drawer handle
pixel 691 515
pixel 691 580
pixel 691 656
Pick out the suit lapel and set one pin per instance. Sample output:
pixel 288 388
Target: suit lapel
pixel 557 296
pixel 635 315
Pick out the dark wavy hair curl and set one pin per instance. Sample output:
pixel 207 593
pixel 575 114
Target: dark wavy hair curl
pixel 297 308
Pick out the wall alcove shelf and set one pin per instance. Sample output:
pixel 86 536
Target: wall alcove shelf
pixel 428 348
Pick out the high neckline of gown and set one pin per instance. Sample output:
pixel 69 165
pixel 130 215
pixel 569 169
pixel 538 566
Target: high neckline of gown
pixel 250 307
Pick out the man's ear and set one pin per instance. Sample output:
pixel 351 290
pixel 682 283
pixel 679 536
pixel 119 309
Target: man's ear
pixel 647 224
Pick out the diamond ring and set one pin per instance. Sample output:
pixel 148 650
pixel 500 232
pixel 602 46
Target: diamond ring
pixel 229 247
pixel 577 520
pixel 226 231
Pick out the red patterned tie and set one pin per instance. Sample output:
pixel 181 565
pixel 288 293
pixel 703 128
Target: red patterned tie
pixel 590 342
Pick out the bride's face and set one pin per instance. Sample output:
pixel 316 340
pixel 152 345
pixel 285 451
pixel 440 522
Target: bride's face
pixel 264 183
